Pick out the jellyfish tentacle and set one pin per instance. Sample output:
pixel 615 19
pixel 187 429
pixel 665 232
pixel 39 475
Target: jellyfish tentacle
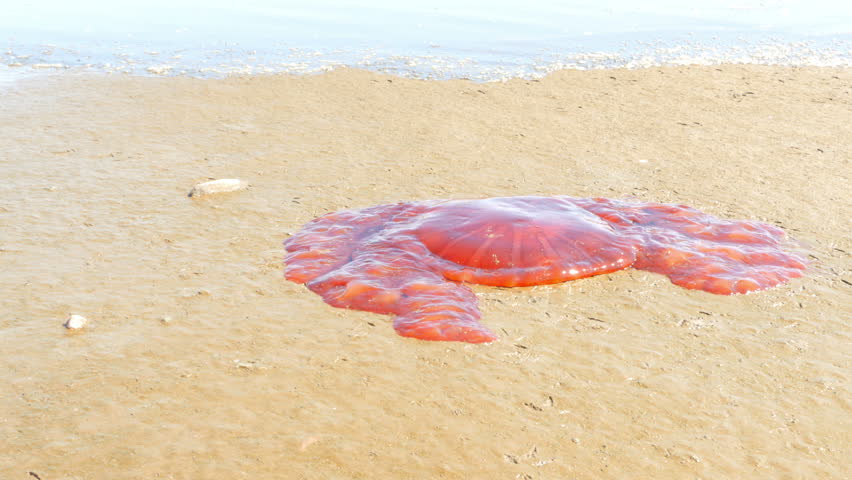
pixel 441 310
pixel 329 241
pixel 394 281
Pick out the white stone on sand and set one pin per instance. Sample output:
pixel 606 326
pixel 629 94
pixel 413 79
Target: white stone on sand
pixel 75 322
pixel 217 186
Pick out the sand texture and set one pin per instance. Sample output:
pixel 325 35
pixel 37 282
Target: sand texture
pixel 199 361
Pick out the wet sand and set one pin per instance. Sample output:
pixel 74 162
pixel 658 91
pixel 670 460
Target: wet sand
pixel 200 361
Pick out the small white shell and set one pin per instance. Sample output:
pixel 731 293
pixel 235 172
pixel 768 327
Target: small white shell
pixel 75 322
pixel 217 186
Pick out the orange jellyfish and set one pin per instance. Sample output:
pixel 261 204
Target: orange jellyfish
pixel 412 260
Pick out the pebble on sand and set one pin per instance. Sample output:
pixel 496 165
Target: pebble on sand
pixel 75 322
pixel 218 186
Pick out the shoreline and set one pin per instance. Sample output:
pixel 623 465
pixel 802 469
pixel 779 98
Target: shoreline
pixel 434 62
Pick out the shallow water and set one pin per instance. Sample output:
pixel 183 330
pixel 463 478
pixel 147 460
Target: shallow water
pixel 479 40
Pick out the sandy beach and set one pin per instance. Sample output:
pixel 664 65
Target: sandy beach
pixel 200 361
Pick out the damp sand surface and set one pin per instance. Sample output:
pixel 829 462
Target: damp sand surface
pixel 200 361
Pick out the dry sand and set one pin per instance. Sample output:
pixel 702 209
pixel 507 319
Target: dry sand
pixel 616 376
